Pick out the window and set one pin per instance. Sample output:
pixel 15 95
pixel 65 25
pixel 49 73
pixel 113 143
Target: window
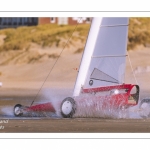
pixel 14 20
pixel 4 21
pixel 25 21
pixel 35 21
pixel 88 20
pixel 9 21
pixel 30 20
pixel 20 21
pixel 52 20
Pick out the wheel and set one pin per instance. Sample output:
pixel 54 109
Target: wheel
pixel 17 110
pixel 145 108
pixel 68 107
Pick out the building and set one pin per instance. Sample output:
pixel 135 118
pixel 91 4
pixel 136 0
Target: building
pixel 13 22
pixel 64 20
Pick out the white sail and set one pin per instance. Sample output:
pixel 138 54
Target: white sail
pixel 103 62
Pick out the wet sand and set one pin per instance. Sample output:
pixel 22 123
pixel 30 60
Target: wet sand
pixel 76 125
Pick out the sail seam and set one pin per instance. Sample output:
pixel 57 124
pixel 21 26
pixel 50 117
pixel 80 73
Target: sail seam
pixel 105 80
pixel 109 56
pixel 115 25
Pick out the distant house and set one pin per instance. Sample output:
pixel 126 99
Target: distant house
pixel 13 22
pixel 64 20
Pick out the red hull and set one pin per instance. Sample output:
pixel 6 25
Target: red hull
pixel 117 100
pixel 121 99
pixel 46 107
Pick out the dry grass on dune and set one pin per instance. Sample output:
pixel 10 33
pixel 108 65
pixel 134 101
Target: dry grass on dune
pixel 38 43
pixel 44 35
pixel 139 32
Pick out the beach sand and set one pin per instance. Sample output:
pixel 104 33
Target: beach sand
pixel 22 83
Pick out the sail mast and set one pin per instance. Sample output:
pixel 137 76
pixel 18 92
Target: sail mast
pixel 86 58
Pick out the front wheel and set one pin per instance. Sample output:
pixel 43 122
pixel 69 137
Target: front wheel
pixel 68 107
pixel 18 110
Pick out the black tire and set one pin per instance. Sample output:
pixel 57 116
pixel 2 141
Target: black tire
pixel 68 102
pixel 18 112
pixel 146 100
pixel 145 113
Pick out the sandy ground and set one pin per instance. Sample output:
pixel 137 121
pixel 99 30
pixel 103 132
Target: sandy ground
pixel 21 83
pixel 76 125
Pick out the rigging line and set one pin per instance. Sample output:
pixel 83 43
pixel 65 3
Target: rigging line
pixel 132 69
pixel 56 61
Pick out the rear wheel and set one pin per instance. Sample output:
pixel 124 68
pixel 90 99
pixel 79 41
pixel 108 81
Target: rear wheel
pixel 68 107
pixel 145 108
pixel 18 110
